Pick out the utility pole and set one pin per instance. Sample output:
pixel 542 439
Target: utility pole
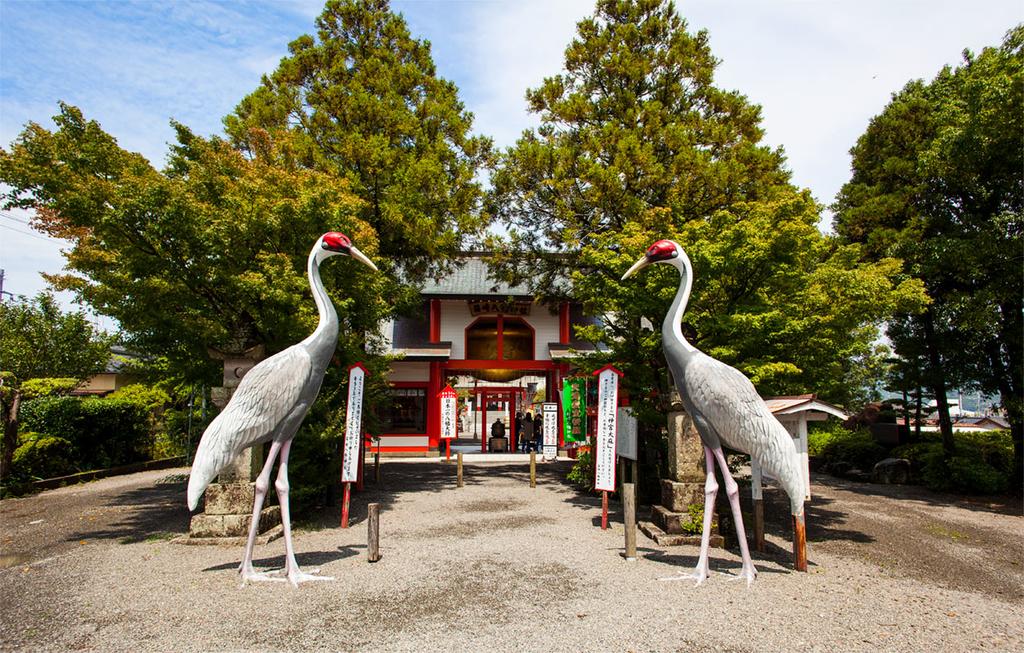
pixel 2 292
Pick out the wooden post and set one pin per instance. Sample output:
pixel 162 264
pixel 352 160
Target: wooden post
pixel 533 469
pixel 604 510
pixel 758 496
pixel 635 477
pixel 376 467
pixel 346 494
pixel 759 525
pixel 629 510
pixel 458 458
pixel 800 543
pixel 373 532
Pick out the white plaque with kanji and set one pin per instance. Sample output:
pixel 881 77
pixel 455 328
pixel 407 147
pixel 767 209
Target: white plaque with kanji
pixel 550 431
pixel 449 421
pixel 605 437
pixel 353 424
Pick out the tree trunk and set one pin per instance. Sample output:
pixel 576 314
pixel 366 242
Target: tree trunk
pixel 917 413
pixel 10 441
pixel 1009 383
pixel 937 381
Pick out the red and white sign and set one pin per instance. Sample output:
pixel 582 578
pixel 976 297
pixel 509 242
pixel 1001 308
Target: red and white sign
pixel 449 421
pixel 353 424
pixel 605 437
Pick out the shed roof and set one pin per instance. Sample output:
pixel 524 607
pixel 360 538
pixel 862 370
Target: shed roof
pixel 789 405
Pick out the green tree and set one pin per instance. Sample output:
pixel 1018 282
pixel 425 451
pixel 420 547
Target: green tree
pixel 210 253
pixel 38 340
pixel 362 101
pixel 636 144
pixel 937 181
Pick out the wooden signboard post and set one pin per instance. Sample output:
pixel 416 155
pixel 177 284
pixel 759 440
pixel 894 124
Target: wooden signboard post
pixel 449 423
pixel 604 440
pixel 352 449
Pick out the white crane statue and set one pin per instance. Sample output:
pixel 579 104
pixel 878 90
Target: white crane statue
pixel 726 409
pixel 269 405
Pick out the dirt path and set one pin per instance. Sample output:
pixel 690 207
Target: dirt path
pixel 498 566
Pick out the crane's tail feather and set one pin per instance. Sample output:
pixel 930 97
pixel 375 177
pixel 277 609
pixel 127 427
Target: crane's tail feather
pixel 777 456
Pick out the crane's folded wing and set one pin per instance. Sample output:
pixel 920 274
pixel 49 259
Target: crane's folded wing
pixel 264 398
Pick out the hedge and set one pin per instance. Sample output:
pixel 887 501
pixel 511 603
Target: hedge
pixel 102 432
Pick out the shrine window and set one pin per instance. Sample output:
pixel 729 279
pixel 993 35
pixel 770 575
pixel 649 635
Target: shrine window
pixel 500 338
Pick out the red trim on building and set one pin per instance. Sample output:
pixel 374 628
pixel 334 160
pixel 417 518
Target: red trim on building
pixel 435 320
pixel 563 324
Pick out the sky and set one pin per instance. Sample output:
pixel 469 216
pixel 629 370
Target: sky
pixel 820 69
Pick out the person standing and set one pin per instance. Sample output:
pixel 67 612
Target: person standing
pixel 538 433
pixel 526 437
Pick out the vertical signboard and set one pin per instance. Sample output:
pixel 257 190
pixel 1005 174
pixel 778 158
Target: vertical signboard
pixel 353 424
pixel 625 445
pixel 448 420
pixel 574 409
pixel 550 431
pixel 604 441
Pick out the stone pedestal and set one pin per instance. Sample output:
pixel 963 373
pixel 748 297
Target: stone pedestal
pixel 672 522
pixel 228 510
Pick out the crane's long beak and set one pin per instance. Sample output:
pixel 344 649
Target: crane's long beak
pixel 359 256
pixel 639 265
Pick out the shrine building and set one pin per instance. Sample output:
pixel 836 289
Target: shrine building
pixel 500 350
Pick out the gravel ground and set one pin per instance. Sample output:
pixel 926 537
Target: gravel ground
pixel 499 566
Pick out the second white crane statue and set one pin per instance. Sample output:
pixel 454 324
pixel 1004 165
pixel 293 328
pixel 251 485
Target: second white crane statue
pixel 269 406
pixel 726 409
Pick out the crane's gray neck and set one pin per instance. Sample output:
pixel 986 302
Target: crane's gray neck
pixel 324 339
pixel 671 328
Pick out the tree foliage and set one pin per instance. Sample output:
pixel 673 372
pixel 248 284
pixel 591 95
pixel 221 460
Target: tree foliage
pixel 39 340
pixel 937 182
pixel 637 144
pixel 362 101
pixel 210 253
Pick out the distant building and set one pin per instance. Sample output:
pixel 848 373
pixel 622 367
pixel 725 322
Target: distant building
pixel 116 374
pixel 503 352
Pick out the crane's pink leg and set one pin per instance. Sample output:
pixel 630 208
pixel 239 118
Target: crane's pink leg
pixel 291 567
pixel 700 573
pixel 262 485
pixel 733 492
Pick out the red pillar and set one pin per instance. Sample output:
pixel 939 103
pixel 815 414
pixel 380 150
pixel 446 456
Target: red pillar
pixel 563 323
pixel 434 407
pixel 483 420
pixel 435 320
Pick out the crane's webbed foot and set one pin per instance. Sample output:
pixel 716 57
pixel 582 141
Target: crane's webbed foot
pixel 699 574
pixel 249 574
pixel 747 572
pixel 296 576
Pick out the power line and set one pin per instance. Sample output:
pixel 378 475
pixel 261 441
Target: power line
pixel 11 216
pixel 28 233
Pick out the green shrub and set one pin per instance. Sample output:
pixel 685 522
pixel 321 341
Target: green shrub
pixel 47 387
pixel 44 456
pixel 582 472
pixel 982 462
pixel 837 444
pixel 103 432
